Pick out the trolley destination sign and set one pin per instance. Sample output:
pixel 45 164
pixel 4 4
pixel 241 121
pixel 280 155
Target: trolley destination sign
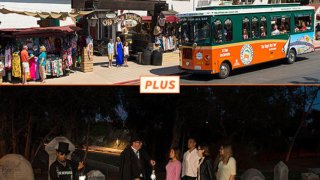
pixel 123 17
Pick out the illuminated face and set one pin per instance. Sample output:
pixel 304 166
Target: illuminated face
pixel 61 156
pixel 137 145
pixel 172 155
pixel 191 143
pixel 221 150
pixel 200 151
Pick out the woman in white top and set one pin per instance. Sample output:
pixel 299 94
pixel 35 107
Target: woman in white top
pixel 126 54
pixel 227 164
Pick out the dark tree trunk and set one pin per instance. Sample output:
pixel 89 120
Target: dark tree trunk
pixel 176 129
pixel 28 138
pixel 13 136
pixel 303 120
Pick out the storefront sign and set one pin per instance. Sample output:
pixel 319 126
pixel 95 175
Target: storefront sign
pixel 127 18
pixel 107 22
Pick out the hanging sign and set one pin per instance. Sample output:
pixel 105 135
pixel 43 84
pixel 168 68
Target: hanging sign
pixel 130 17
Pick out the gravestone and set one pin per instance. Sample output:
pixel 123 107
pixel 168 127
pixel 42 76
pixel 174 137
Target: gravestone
pixel 281 171
pixel 53 145
pixel 252 174
pixel 309 176
pixel 15 167
pixel 95 175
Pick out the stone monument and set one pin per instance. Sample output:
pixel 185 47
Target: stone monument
pixel 309 176
pixel 15 167
pixel 281 171
pixel 252 174
pixel 95 175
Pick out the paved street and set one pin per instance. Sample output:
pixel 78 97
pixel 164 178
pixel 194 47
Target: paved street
pixel 305 71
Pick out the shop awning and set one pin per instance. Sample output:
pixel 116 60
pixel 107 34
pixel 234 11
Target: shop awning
pixel 55 15
pixel 40 31
pixel 169 18
pixel 146 18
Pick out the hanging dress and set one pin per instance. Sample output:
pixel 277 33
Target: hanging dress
pixel 37 68
pixel 69 51
pixel 119 58
pixel 8 59
pixel 16 67
pixel 32 68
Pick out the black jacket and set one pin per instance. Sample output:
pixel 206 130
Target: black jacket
pixel 131 167
pixel 60 172
pixel 207 170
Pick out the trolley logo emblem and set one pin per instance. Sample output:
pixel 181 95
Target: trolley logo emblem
pixel 246 54
pixel 199 56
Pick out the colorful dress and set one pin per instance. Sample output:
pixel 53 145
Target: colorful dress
pixel 8 59
pixel 32 68
pixel 16 67
pixel 119 58
pixel 69 51
pixel 37 69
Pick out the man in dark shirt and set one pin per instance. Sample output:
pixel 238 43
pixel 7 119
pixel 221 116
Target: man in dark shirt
pixel 62 168
pixel 134 161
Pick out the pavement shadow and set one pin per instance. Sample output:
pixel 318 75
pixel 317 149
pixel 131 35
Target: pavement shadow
pixel 165 70
pixel 308 80
pixel 102 64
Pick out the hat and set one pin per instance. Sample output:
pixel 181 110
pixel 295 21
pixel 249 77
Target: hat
pixel 135 137
pixel 63 147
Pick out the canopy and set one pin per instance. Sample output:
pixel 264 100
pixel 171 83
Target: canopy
pixel 40 31
pixel 55 15
pixel 169 18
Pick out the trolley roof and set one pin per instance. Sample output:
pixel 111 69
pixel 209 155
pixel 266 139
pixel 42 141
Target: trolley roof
pixel 248 9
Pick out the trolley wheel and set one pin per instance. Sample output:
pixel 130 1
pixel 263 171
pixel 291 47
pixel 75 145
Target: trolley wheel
pixel 224 70
pixel 292 56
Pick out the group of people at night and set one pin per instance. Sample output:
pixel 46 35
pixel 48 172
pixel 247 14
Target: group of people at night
pixel 196 163
pixel 121 51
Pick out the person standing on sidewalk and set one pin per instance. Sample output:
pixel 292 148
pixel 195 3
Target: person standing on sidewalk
pixel 190 161
pixel 42 64
pixel 25 63
pixel 126 54
pixel 110 52
pixel 119 52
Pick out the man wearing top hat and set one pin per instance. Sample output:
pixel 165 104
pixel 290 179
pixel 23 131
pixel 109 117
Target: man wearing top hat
pixel 135 162
pixel 63 168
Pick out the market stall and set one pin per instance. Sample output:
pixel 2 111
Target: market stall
pixel 166 30
pixel 63 48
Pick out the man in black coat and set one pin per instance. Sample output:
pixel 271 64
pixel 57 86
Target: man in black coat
pixel 63 168
pixel 134 161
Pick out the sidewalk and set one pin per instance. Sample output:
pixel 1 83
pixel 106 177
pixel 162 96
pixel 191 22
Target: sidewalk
pixel 103 75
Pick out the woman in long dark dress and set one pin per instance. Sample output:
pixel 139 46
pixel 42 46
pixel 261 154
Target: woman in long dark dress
pixel 119 52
